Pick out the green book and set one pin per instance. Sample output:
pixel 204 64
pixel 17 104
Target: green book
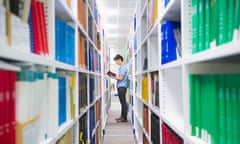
pixel 192 104
pixel 221 108
pixel 238 109
pixel 194 26
pixel 222 35
pixel 236 18
pixel 228 94
pixel 235 110
pixel 201 26
pixel 213 22
pixel 212 108
pixel 198 106
pixel 230 19
pixel 207 24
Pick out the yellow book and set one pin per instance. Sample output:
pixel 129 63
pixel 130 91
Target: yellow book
pixel 145 89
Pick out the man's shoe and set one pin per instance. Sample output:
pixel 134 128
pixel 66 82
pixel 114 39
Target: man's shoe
pixel 117 119
pixel 122 120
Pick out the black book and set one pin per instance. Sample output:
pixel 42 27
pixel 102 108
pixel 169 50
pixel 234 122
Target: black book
pixel 155 129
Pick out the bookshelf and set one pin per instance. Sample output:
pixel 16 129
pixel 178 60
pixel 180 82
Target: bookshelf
pixel 72 49
pixel 192 54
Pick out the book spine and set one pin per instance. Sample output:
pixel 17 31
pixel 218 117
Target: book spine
pixel 230 19
pixel 222 35
pixel 222 110
pixel 207 24
pixel 3 26
pixel 195 26
pixel 201 26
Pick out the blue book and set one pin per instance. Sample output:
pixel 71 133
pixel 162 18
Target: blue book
pixel 72 34
pixel 135 43
pixel 89 59
pixel 57 39
pixel 62 101
pixel 63 41
pixel 135 23
pixel 31 32
pixel 133 118
pixel 91 90
pixel 68 45
pixel 163 42
pixel 169 46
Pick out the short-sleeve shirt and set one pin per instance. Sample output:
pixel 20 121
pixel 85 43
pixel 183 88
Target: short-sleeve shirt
pixel 123 71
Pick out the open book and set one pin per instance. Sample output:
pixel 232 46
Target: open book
pixel 109 73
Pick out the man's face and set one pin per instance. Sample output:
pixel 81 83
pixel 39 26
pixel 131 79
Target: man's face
pixel 118 62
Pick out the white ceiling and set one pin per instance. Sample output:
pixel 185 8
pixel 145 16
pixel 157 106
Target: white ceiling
pixel 117 16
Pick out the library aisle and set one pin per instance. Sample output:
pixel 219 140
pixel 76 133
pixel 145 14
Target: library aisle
pixel 119 133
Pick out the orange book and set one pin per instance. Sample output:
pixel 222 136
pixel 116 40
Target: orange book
pixel 82 13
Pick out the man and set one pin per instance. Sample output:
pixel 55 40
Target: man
pixel 122 83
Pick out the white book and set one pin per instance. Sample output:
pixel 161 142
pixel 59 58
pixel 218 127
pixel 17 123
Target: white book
pixel 27 137
pixel 35 132
pixel 32 94
pixel 68 110
pixel 25 37
pixel 52 107
pixel 16 42
pixel 3 36
pixel 44 109
pixel 22 94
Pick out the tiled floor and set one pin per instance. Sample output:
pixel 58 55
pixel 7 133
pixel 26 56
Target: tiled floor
pixel 117 133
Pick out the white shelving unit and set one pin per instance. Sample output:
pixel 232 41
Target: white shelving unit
pixel 59 9
pixel 174 104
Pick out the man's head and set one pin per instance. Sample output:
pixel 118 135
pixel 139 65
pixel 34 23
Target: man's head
pixel 118 59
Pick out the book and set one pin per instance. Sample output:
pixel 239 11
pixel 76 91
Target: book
pixel 207 27
pixel 230 19
pixel 222 31
pixel 62 100
pixel 91 89
pixel 195 26
pixel 168 42
pixel 3 27
pixel 145 89
pixel 169 135
pixel 217 105
pixel 145 119
pixel 53 93
pixel 65 42
pixel 83 129
pixel 155 129
pixel 82 13
pixel 110 73
pixel 82 92
pixel 201 25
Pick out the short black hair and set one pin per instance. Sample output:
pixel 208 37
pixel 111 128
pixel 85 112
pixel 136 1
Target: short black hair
pixel 117 57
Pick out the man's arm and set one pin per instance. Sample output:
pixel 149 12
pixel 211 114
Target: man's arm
pixel 118 77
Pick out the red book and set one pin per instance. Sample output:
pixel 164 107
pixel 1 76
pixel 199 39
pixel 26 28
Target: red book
pixel 163 134
pixel 43 28
pixel 1 105
pixel 4 108
pixel 12 80
pixel 36 28
pixel 7 109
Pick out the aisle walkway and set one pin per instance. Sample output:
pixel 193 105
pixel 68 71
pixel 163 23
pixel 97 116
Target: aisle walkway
pixel 117 133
